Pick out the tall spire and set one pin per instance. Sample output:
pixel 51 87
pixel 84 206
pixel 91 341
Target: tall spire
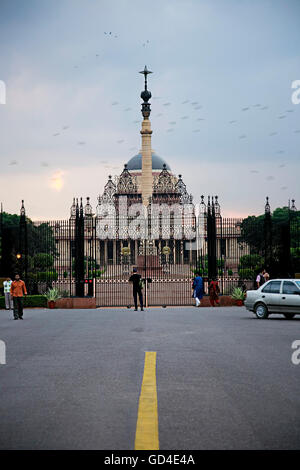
pixel 146 132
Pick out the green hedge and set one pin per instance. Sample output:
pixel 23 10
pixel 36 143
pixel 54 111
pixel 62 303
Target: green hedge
pixel 29 301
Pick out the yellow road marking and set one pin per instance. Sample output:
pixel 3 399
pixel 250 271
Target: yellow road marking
pixel 146 437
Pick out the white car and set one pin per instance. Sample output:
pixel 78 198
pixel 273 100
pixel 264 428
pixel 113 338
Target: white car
pixel 275 296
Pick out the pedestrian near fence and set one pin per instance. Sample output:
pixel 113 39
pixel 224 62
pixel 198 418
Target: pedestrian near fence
pixel 136 280
pixel 260 279
pixel 198 289
pixel 7 295
pixel 214 291
pixel 18 290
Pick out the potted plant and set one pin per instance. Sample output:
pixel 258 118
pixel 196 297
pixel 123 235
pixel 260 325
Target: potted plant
pixel 52 296
pixel 238 295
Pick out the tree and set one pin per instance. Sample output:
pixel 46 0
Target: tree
pixel 285 229
pixel 40 240
pixel 42 261
pixel 249 265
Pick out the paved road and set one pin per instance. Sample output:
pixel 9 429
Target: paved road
pixel 224 379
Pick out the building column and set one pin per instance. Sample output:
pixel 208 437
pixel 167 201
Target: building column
pixel 105 253
pixel 114 252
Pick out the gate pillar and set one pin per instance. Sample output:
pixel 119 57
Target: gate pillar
pixel 79 251
pixel 211 240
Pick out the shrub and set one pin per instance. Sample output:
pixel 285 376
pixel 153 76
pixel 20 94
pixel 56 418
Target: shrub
pixel 64 293
pixel 246 273
pixel 29 301
pixel 47 276
pixel 254 262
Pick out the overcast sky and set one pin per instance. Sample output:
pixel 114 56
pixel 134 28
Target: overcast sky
pixel 222 113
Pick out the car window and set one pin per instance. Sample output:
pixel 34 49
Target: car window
pixel 289 287
pixel 298 284
pixel 273 287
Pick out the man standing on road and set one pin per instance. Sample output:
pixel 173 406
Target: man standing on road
pixel 8 300
pixel 136 280
pixel 17 290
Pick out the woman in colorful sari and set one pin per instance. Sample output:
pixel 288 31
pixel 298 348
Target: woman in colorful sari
pixel 198 289
pixel 214 290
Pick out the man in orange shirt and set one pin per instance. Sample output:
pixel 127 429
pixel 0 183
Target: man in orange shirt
pixel 17 290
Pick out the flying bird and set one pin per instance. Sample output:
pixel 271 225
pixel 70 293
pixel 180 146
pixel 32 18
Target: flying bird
pixel 170 130
pixel 254 171
pixel 198 107
pixel 243 136
pixel 44 164
pixel 283 187
pixel 297 131
pixel 65 128
pixel 281 117
pixel 245 109
pixel 186 101
pixel 114 103
pixel 184 117
pixel 231 122
pixel 196 130
pixel 159 114
pixel 256 105
pixel 194 103
pixel 200 119
pixel 273 133
pixel 270 178
pixel 127 109
pixel 13 162
pixel 81 143
pixel 282 165
pixel 264 107
pixel 57 133
pixel 172 123
pixel 120 141
pixel 166 104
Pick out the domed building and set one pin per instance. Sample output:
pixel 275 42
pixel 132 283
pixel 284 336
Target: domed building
pixel 146 218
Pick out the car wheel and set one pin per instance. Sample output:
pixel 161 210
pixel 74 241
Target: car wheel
pixel 261 311
pixel 289 316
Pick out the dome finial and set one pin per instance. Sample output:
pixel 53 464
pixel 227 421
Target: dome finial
pixel 146 95
pixel 145 72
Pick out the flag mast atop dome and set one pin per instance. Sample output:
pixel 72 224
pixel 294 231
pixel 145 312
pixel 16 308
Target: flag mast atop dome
pixel 146 132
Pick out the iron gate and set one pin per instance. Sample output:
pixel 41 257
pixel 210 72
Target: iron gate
pixel 70 255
